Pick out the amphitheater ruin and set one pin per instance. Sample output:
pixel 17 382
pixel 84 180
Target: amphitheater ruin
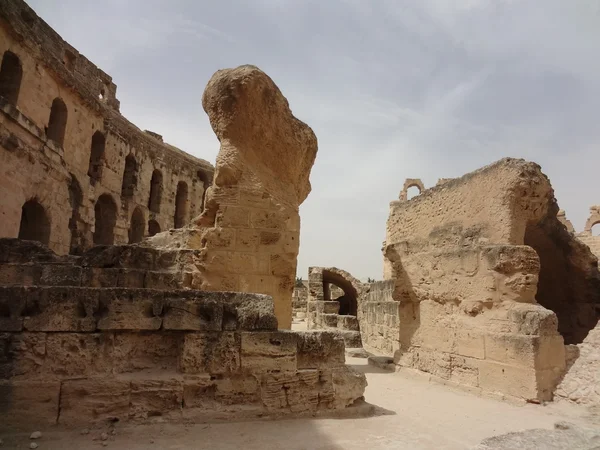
pixel 140 284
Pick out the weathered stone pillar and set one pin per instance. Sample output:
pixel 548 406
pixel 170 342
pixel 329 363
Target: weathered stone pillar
pixel 251 224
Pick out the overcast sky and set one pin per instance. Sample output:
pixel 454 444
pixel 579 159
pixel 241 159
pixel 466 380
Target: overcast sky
pixel 393 89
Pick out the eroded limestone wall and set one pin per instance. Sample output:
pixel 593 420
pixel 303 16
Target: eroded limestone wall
pixel 477 307
pixel 56 174
pixel 378 317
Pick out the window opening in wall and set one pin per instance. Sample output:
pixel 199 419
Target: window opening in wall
pixel 595 229
pixel 11 74
pixel 137 227
pixel 129 176
pixel 57 123
pixel 35 224
pixel 105 220
pixel 153 227
pixel 96 157
pixel 155 191
pixel 412 192
pixel 181 204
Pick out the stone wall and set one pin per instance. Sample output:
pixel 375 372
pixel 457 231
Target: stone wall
pixel 486 276
pixel 327 309
pixel 105 336
pixel 73 170
pixel 378 317
pixel 299 301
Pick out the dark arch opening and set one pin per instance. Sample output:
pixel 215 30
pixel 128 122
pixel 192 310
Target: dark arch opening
pixel 35 224
pixel 129 176
pixel 137 226
pixel 57 124
pixel 96 157
pixel 105 220
pixel 564 284
pixel 348 302
pixel 76 199
pixel 155 191
pixel 11 74
pixel 181 204
pixel 153 227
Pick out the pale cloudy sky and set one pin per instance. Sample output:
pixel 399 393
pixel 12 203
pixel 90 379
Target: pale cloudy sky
pixel 393 89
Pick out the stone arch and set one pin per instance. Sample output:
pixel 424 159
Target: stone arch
pixel 11 74
pixel 348 284
pixel 153 227
pixel 594 219
pixel 411 182
pixel 105 220
pixel 137 226
pixel 156 188
pixel 57 123
pixel 181 204
pixel 35 223
pixel 96 157
pixel 129 176
pixel 76 200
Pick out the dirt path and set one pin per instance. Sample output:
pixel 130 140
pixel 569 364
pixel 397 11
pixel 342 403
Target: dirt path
pixel 420 415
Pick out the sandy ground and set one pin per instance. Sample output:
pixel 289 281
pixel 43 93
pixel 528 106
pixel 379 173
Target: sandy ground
pixel 416 415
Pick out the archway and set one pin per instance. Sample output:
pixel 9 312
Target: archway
pixel 11 74
pixel 137 226
pixel 35 224
pixel 129 176
pixel 153 227
pixel 57 123
pixel 595 229
pixel 181 204
pixel 156 188
pixel 96 157
pixel 412 191
pixel 105 220
pixel 76 199
pixel 348 301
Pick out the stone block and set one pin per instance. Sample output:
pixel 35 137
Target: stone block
pixel 197 312
pixel 233 217
pixel 348 386
pixel 131 278
pixel 320 349
pixel 146 351
pixel 60 275
pixel 71 355
pixel 163 280
pixel 61 309
pixel 501 378
pixel 126 309
pixel 156 398
pixel 211 352
pixel 517 350
pixel 330 307
pixel 249 312
pixel 22 354
pixel 240 389
pixel 99 277
pixel 12 306
pixel 269 351
pixel 550 353
pixel 19 275
pixel 267 219
pixel 94 400
pixel 29 403
pixel 347 323
pixel 470 343
pixel 283 264
pixel 330 320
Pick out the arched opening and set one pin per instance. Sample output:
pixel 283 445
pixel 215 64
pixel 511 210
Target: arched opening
pixel 129 176
pixel 155 191
pixel 563 284
pixel 181 204
pixel 595 230
pixel 153 227
pixel 35 224
pixel 412 191
pixel 347 299
pixel 105 221
pixel 137 226
pixel 76 199
pixel 96 157
pixel 11 73
pixel 57 124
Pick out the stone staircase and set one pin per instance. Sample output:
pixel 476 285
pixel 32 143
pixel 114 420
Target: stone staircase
pixel 115 335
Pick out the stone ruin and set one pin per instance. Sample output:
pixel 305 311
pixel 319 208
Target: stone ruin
pixel 489 284
pixel 187 325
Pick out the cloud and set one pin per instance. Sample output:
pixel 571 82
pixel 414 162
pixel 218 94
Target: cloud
pixel 393 89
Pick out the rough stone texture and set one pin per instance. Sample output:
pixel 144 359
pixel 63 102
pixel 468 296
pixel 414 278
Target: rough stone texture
pixel 581 383
pixel 333 296
pixel 486 276
pixel 299 301
pixel 102 154
pixel 586 236
pixel 564 436
pixel 378 317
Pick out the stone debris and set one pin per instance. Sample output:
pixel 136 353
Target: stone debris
pixel 35 435
pixel 33 445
